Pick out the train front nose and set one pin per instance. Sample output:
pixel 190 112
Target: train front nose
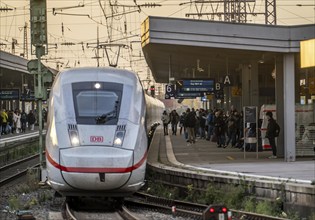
pixel 96 167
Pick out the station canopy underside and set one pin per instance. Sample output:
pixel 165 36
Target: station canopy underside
pixel 198 62
pixel 184 48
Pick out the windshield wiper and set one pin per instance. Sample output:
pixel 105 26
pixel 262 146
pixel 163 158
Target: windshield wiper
pixel 102 119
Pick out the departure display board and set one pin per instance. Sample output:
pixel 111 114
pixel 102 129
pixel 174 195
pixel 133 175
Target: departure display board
pixel 188 95
pixel 195 85
pixel 9 94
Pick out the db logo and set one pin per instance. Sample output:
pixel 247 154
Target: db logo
pixel 97 139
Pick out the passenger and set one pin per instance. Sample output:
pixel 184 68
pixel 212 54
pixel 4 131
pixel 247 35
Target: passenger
pixel 11 124
pixel 202 124
pixel 273 130
pixel 190 123
pixel 232 123
pixel 219 129
pixel 23 121
pixel 0 123
pixel 4 117
pixel 240 132
pixel 166 120
pixel 174 119
pixel 17 121
pixel 181 123
pixel 210 124
pixel 251 133
pixel 31 120
pixel 45 114
pixel 197 125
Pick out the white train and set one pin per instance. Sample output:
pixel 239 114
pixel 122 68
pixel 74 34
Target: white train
pixel 96 142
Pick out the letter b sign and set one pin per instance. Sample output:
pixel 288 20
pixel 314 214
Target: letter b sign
pixel 218 86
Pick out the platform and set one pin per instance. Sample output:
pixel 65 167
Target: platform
pixel 206 155
pixel 13 139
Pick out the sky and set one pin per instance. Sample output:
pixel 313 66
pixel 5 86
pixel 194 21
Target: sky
pixel 75 27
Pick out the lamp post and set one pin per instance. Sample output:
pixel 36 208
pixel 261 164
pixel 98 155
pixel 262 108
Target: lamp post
pixel 39 41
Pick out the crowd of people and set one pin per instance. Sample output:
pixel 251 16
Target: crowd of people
pixel 224 128
pixel 17 121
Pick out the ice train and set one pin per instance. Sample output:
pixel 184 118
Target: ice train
pixel 96 141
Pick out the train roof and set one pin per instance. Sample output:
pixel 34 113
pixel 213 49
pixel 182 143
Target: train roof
pixel 98 73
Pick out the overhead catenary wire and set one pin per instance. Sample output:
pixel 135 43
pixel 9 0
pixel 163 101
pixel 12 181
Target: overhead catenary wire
pixel 9 21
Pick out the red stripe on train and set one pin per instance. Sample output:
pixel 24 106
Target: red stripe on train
pixel 96 169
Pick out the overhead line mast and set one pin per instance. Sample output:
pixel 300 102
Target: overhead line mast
pixel 237 11
pixel 25 45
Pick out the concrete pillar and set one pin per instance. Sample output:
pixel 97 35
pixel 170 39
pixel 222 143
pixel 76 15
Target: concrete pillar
pixel 246 72
pixel 250 90
pixel 254 89
pixel 279 68
pixel 289 107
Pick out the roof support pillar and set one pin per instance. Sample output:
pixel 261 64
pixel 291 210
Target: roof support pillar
pixel 285 104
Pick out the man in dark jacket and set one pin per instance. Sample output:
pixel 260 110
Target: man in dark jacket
pixel 272 132
pixel 190 122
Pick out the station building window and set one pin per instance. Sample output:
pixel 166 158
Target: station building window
pixel 304 110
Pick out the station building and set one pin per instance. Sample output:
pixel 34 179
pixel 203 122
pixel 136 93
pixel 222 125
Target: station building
pixel 16 83
pixel 264 65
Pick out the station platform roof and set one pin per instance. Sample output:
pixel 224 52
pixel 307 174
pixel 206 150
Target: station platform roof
pixel 183 48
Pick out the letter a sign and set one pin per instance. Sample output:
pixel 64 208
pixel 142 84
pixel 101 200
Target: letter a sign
pixel 227 81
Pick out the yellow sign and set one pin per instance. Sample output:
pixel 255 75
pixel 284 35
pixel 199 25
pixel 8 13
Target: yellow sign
pixel 209 97
pixel 236 91
pixel 307 52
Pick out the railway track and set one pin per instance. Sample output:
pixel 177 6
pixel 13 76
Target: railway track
pixel 17 169
pixel 101 211
pixel 187 209
pixel 123 214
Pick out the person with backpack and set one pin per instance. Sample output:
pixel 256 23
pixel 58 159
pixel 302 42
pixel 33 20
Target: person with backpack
pixel 273 130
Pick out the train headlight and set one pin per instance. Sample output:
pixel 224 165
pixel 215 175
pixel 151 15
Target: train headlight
pixel 119 138
pixel 74 138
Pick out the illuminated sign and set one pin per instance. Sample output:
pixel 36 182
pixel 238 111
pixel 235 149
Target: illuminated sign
pixel 9 94
pixel 307 53
pixel 195 85
pixel 170 91
pixel 189 95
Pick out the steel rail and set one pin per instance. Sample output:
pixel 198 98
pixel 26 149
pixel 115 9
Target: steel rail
pixel 15 163
pixel 16 176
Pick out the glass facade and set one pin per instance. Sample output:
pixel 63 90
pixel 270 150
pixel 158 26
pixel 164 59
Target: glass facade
pixel 304 109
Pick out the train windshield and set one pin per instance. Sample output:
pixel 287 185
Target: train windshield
pixel 97 103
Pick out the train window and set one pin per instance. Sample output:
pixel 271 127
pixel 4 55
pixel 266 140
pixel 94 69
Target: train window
pixel 97 105
pixel 91 103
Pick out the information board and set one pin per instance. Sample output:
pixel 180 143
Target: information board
pixel 250 119
pixel 195 85
pixel 188 95
pixel 170 91
pixel 9 94
pixel 28 97
pixel 250 114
